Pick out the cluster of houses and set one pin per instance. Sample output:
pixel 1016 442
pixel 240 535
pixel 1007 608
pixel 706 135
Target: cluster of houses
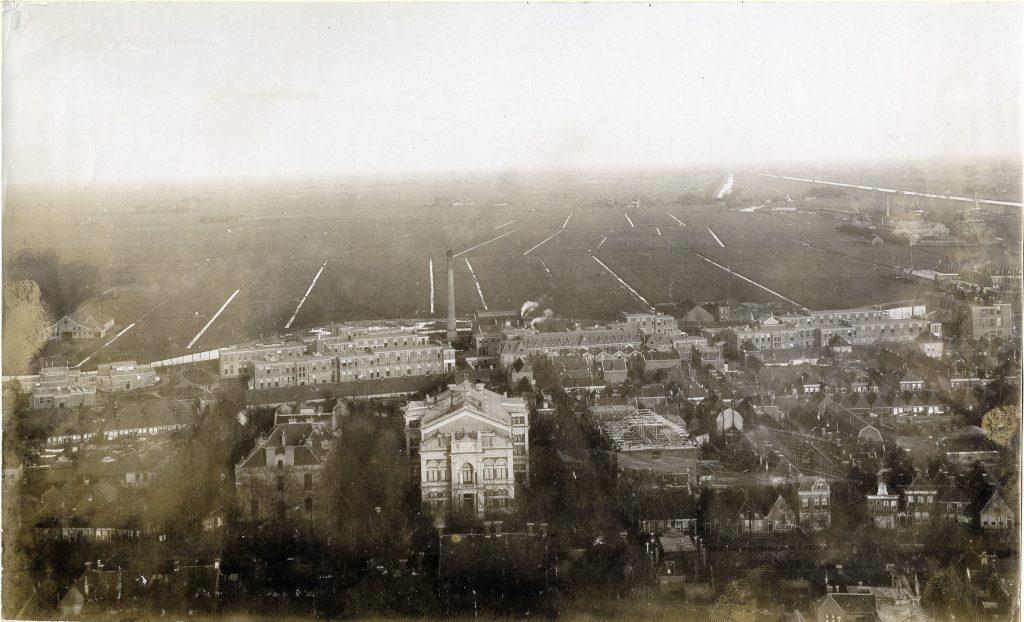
pixel 924 502
pixel 738 512
pixel 91 480
pixel 661 399
pixel 66 387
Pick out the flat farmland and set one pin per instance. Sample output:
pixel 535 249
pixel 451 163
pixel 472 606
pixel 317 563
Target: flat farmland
pixel 166 263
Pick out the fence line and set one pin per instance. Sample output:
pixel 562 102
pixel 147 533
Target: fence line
pixel 198 357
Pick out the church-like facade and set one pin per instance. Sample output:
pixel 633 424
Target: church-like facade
pixel 470 449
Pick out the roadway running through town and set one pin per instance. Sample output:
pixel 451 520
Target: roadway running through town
pixel 212 320
pixel 630 221
pixel 308 290
pixel 628 287
pixel 511 222
pixel 894 191
pixel 477 281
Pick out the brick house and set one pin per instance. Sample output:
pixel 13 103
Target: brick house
pixel 281 477
pixel 815 511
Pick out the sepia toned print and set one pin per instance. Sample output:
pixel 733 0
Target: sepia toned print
pixel 511 311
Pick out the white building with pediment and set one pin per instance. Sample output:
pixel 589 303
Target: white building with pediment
pixel 469 447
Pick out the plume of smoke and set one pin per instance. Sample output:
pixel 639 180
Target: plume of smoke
pixel 540 319
pixel 528 307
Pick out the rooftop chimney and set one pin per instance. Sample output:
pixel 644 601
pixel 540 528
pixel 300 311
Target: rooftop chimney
pixel 452 334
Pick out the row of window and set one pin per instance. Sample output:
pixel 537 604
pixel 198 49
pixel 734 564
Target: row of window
pixel 347 376
pixel 492 469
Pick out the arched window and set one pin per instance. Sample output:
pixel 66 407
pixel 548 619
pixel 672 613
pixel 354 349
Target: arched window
pixel 432 473
pixel 501 469
pixel 488 469
pixel 467 473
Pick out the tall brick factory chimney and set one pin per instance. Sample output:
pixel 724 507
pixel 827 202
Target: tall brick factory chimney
pixel 452 333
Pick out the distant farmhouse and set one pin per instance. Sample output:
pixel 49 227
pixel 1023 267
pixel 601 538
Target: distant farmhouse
pixel 85 322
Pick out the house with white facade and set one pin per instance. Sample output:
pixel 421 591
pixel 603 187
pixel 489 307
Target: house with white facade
pixel 469 448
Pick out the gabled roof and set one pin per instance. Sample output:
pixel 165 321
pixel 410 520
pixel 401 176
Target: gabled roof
pixel 825 403
pixel 869 433
pixel 858 401
pixel 780 509
pixel 72 597
pixel 996 503
pixel 853 604
pixel 895 400
pixel 89 316
pixel 910 376
pixel 307 439
pixel 921 483
pixel 468 398
pixel 838 341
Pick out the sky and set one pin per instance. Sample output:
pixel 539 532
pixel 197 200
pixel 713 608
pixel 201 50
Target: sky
pixel 97 92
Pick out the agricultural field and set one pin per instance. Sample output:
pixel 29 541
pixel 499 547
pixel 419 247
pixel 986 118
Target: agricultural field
pixel 164 262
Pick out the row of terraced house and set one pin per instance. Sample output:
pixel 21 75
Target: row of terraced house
pixel 816 329
pixel 337 354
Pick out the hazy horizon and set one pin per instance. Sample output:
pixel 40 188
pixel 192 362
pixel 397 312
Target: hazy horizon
pixel 114 94
pixel 491 173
